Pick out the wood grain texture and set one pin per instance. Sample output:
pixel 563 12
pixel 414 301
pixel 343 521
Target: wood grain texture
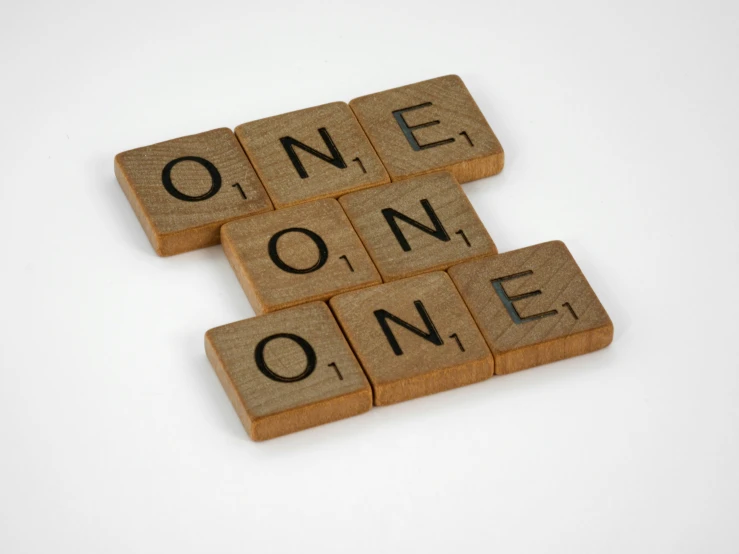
pixel 450 231
pixel 401 363
pixel 208 195
pixel 533 306
pixel 328 383
pixel 296 255
pixel 353 165
pixel 430 126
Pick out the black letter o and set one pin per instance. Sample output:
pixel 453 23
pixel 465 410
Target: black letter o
pixel 310 354
pixel 322 250
pixel 215 177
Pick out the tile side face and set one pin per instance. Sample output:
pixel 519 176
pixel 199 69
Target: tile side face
pixel 288 371
pixel 533 306
pixel 413 337
pixel 319 152
pixel 418 225
pixel 296 255
pixel 184 190
pixel 430 126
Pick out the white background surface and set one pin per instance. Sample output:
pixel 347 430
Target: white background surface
pixel 619 122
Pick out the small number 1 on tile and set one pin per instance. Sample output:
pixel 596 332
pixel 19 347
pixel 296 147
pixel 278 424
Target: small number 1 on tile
pixel 459 342
pixel 461 233
pixel 238 186
pixel 336 369
pixel 347 262
pixel 572 311
pixel 361 165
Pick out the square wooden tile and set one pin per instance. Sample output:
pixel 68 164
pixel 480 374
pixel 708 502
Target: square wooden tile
pixel 297 255
pixel 319 152
pixel 533 306
pixel 430 126
pixel 413 337
pixel 417 225
pixel 183 190
pixel 288 371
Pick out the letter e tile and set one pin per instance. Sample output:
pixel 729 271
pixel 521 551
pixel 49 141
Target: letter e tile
pixel 430 126
pixel 533 306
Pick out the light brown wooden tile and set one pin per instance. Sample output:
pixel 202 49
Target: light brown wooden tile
pixel 533 306
pixel 296 255
pixel 319 152
pixel 419 225
pixel 413 337
pixel 184 189
pixel 430 126
pixel 288 371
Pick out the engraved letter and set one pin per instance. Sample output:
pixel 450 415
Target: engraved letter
pixel 289 144
pixel 432 335
pixel 408 129
pixel 437 231
pixel 310 354
pixel 509 300
pixel 315 237
pixel 215 178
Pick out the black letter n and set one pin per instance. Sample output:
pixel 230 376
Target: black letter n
pixel 437 231
pixel 289 144
pixel 432 335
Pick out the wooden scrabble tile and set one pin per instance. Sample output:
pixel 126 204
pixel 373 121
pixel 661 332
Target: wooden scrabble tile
pixel 184 189
pixel 296 255
pixel 319 152
pixel 418 225
pixel 533 306
pixel 413 337
pixel 429 126
pixel 288 371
